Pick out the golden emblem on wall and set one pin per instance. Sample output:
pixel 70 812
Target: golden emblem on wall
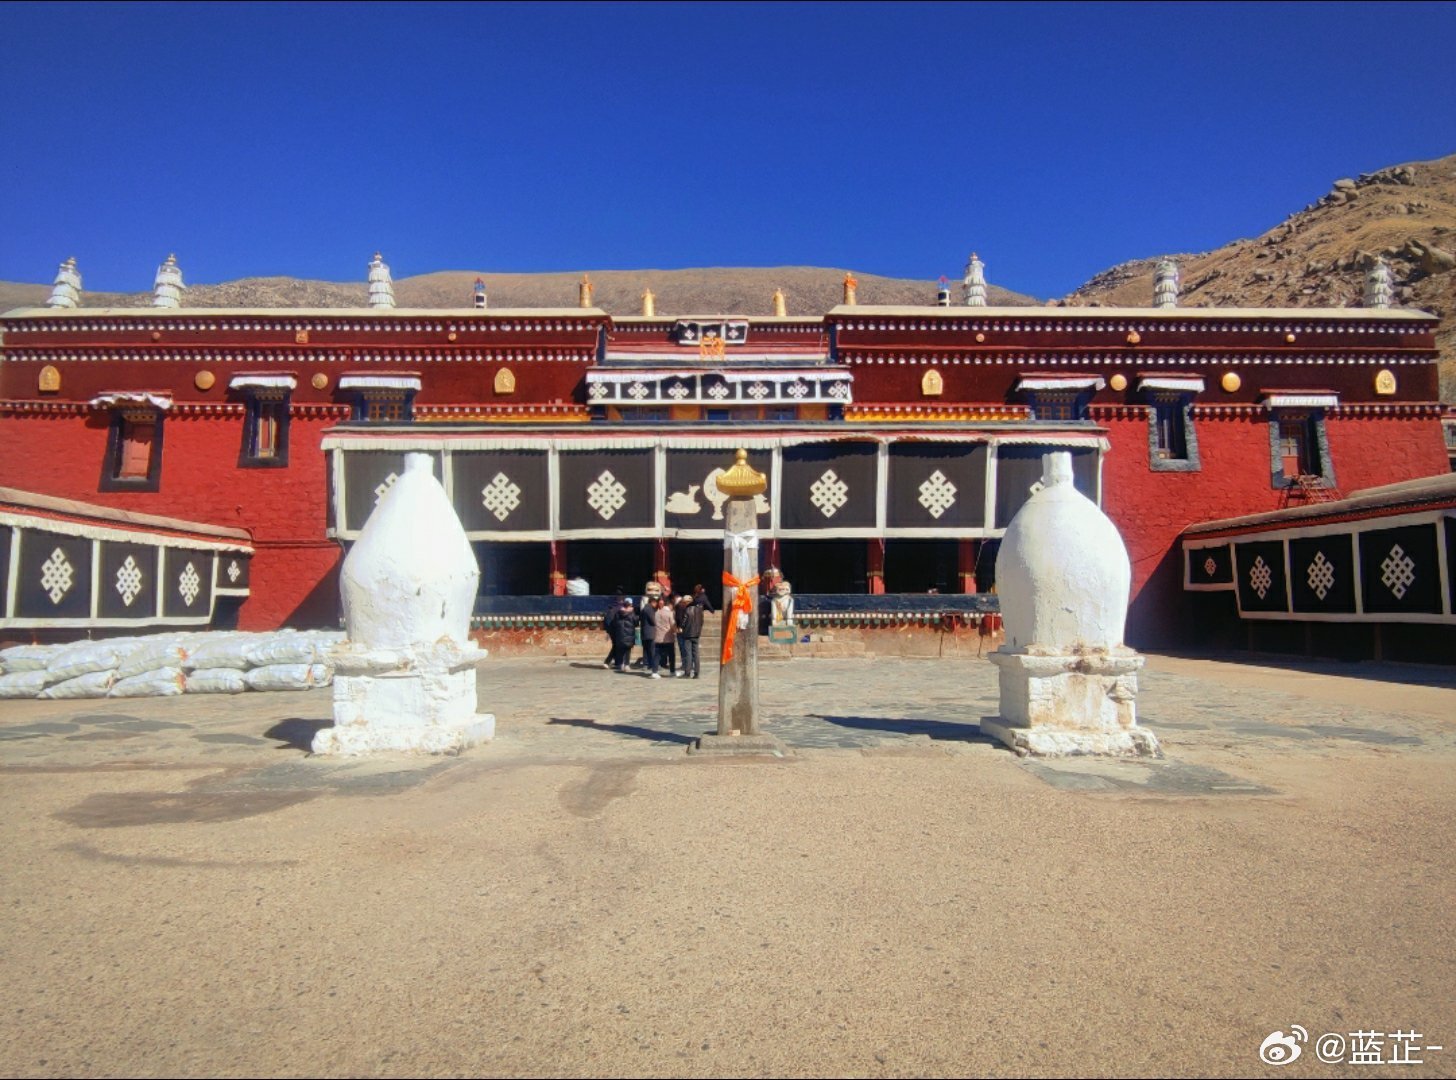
pixel 931 384
pixel 1230 381
pixel 711 347
pixel 300 337
pixel 319 381
pixel 505 381
pixel 1385 382
pixel 203 380
pixel 1118 382
pixel 50 379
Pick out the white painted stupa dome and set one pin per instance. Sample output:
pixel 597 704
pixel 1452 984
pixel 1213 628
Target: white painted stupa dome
pixel 1062 573
pixel 411 577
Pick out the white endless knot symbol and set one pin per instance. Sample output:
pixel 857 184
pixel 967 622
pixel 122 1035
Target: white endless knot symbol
pixel 1209 566
pixel 1261 577
pixel 758 391
pixel 384 485
pixel 189 584
pixel 839 390
pixel 501 496
pixel 829 493
pixel 1398 571
pixel 234 571
pixel 937 494
pixel 797 390
pixel 1321 575
pixel 607 495
pixel 677 390
pixel 129 580
pixel 598 390
pixel 56 575
pixel 718 390
pixel 637 391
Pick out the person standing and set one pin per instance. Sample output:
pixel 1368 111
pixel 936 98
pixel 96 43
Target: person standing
pixel 624 635
pixel 666 619
pixel 692 630
pixel 649 635
pixel 679 613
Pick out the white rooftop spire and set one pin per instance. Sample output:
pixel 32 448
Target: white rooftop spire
pixel 1165 284
pixel 167 287
pixel 381 285
pixel 975 282
pixel 66 289
pixel 1379 289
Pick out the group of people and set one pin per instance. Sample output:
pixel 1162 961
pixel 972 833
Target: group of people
pixel 667 626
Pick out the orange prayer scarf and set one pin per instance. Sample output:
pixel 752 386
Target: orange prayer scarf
pixel 742 602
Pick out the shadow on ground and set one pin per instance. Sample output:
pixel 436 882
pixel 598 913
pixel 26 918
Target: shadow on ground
pixel 936 729
pixel 296 733
pixel 635 731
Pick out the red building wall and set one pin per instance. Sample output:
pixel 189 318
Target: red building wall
pixel 294 567
pixel 1151 509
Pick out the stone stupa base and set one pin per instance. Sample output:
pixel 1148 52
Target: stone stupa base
pixel 425 708
pixel 740 745
pixel 1065 704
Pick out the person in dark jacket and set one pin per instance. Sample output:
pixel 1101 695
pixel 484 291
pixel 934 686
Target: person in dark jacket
pixel 691 629
pixel 624 634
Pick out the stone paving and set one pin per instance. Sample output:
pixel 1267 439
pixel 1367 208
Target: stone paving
pixel 576 709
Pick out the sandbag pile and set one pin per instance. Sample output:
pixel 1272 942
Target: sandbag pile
pixel 162 665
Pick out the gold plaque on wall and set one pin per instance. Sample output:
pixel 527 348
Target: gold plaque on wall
pixel 1230 381
pixel 931 384
pixel 505 381
pixel 1118 382
pixel 1385 382
pixel 50 379
pixel 319 381
pixel 300 337
pixel 203 380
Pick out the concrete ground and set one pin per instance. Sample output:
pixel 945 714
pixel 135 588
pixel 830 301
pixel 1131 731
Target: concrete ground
pixel 186 892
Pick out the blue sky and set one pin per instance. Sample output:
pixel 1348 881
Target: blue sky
pixel 1054 139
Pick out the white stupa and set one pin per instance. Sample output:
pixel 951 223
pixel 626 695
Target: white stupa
pixel 167 286
pixel 381 285
pixel 66 289
pixel 975 282
pixel 1068 683
pixel 1379 289
pixel 404 680
pixel 1165 284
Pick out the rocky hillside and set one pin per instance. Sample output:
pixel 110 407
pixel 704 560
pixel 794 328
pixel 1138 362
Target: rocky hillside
pixel 1317 256
pixel 809 290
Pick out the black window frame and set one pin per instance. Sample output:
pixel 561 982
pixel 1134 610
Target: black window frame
pixel 116 440
pixel 256 399
pixel 1317 446
pixel 1172 410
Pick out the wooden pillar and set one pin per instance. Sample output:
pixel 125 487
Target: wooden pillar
pixel 558 568
pixel 876 564
pixel 966 553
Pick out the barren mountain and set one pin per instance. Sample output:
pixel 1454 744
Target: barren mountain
pixel 1317 257
pixel 719 290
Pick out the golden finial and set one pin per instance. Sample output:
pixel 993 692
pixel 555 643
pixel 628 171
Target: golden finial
pixel 649 302
pixel 780 304
pixel 850 285
pixel 742 481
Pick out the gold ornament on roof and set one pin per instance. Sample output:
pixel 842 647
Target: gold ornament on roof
pixel 711 347
pixel 742 481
